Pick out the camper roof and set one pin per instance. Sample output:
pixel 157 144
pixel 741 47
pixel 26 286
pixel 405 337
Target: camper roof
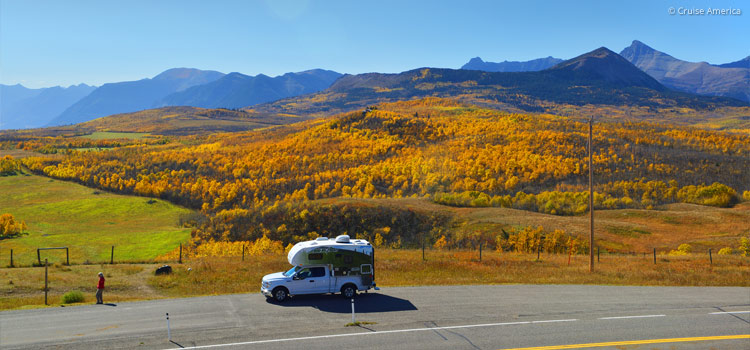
pixel 340 242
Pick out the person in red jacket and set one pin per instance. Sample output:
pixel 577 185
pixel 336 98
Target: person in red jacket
pixel 100 289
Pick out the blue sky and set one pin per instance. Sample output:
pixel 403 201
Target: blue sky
pixel 47 43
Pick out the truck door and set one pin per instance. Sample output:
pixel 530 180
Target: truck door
pixel 319 280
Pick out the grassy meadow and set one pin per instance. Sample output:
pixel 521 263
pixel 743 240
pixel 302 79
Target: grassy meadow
pixel 23 287
pixel 88 221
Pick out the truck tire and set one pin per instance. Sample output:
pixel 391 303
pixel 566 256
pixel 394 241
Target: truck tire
pixel 349 291
pixel 280 294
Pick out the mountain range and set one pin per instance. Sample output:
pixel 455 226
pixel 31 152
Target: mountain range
pixel 538 64
pixel 730 80
pixel 236 90
pixel 640 76
pixel 600 77
pixel 22 108
pixel 133 96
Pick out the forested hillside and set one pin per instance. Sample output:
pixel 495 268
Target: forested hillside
pixel 253 183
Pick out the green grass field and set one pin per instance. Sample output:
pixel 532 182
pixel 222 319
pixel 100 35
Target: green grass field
pixel 106 135
pixel 87 221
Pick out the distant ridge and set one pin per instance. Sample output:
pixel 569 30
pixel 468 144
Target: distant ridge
pixel 600 77
pixel 131 96
pixel 743 63
pixel 729 80
pixel 538 64
pixel 236 90
pixel 603 64
pixel 22 108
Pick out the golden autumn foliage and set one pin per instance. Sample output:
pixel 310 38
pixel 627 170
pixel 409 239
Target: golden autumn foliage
pixel 9 166
pixel 10 227
pixel 261 246
pixel 459 154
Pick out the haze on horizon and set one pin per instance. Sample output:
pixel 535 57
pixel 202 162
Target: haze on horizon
pixel 46 43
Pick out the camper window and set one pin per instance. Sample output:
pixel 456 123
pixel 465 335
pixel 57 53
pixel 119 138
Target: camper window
pixel 315 256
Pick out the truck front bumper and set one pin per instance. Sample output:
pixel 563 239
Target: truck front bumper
pixel 266 290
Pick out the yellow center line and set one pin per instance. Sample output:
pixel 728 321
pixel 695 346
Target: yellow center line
pixel 635 342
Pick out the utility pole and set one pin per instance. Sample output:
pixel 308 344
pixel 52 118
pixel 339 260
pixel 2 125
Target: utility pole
pixel 591 196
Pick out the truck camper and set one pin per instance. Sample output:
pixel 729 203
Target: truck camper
pixel 324 265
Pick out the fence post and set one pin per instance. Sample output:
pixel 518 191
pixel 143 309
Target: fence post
pixel 597 254
pixel 11 258
pixel 67 257
pixel 423 259
pixel 38 257
pixel 538 251
pixel 710 258
pixel 654 255
pixel 112 256
pixel 180 253
pixel 243 252
pixel 480 251
pixel 46 289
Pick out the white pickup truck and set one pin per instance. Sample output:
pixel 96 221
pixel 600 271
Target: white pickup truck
pixel 324 266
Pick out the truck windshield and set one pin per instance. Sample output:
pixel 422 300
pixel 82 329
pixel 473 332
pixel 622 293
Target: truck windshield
pixel 291 271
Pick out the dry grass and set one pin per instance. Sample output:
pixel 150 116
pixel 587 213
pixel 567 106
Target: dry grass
pixel 23 287
pixel 622 230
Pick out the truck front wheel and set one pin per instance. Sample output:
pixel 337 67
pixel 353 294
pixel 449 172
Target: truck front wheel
pixel 280 294
pixel 348 291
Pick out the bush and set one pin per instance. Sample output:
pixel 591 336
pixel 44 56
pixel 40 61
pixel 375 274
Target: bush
pixel 746 196
pixel 685 248
pixel 10 227
pixel 725 251
pixel 744 246
pixel 72 297
pixel 715 195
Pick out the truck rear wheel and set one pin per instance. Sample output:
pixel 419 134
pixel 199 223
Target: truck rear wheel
pixel 280 294
pixel 348 291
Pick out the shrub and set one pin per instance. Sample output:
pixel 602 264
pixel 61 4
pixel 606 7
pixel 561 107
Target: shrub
pixel 10 227
pixel 715 195
pixel 725 251
pixel 9 166
pixel 745 246
pixel 72 297
pixel 676 252
pixel 685 248
pixel 746 196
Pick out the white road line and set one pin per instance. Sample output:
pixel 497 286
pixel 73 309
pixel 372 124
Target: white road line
pixel 620 317
pixel 376 332
pixel 729 312
pixel 552 321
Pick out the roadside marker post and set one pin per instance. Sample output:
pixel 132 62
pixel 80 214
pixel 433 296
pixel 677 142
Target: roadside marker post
pixel 654 255
pixel 710 258
pixel 353 311
pixel 169 334
pixel 46 289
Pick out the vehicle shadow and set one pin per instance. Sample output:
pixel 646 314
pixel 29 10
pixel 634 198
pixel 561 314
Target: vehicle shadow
pixel 363 303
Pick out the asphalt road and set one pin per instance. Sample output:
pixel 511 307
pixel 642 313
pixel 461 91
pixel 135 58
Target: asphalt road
pixel 446 317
